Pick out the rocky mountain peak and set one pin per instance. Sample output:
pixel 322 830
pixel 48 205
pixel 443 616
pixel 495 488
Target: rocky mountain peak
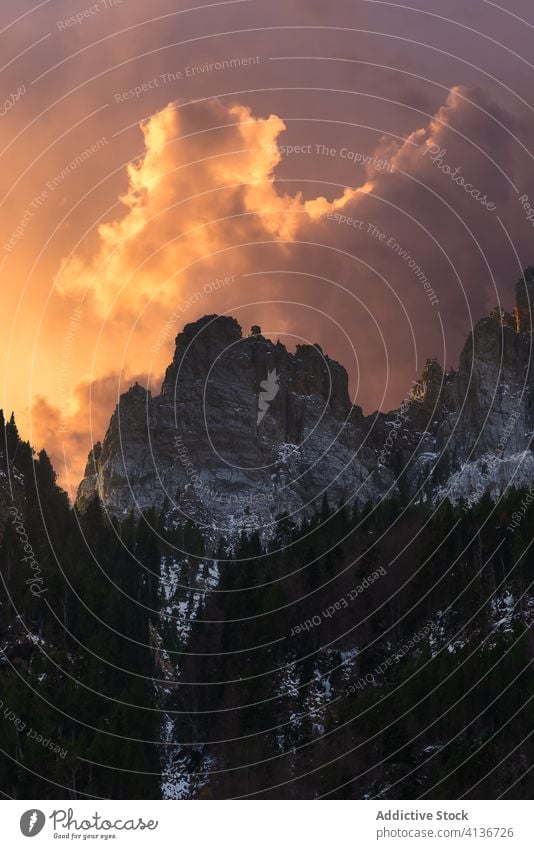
pixel 214 346
pixel 244 429
pixel 524 299
pixel 428 388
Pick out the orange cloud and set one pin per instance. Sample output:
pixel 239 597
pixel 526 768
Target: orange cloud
pixel 206 181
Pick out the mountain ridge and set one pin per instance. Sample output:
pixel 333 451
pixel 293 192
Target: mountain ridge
pixel 198 445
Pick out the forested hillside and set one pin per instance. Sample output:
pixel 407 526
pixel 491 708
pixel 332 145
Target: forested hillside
pixel 377 651
pixel 76 665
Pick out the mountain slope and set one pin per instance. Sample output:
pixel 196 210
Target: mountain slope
pixel 230 450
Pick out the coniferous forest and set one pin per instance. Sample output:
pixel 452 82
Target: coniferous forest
pixel 374 652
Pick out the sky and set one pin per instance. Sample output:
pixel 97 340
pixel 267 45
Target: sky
pixel 356 173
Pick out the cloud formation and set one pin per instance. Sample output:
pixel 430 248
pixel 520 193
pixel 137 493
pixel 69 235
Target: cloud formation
pixel 204 182
pixel 379 269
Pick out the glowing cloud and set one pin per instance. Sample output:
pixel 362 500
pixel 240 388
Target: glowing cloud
pixel 205 181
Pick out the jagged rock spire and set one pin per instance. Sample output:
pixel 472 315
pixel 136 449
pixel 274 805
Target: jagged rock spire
pixel 524 299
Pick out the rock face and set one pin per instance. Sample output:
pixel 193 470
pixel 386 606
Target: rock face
pixel 524 303
pixel 483 425
pixel 243 430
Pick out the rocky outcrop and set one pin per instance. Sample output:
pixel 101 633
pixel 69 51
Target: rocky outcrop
pixel 483 442
pixel 244 430
pixel 202 448
pixel 524 299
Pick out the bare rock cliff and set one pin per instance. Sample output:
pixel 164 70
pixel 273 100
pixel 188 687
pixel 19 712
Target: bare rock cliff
pixel 244 430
